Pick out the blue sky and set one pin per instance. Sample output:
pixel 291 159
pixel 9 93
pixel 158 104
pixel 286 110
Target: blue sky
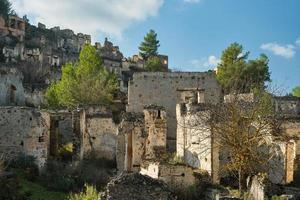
pixel 192 32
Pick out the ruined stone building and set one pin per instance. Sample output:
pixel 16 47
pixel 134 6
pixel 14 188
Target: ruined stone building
pixel 24 130
pixel 165 89
pixel 199 149
pixel 142 147
pixel 11 87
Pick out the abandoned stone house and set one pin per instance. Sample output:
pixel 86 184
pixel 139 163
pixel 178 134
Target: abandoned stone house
pixel 11 87
pixel 199 149
pixel 164 89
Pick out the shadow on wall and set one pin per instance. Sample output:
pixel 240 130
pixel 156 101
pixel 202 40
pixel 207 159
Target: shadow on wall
pixel 192 159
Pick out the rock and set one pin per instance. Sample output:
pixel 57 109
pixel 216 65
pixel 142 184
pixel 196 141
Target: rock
pixel 138 187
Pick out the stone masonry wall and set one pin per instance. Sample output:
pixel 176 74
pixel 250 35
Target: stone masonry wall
pixel 177 177
pixel 292 128
pixel 194 141
pixel 162 89
pixel 11 88
pixel 24 130
pixel 156 127
pixel 99 132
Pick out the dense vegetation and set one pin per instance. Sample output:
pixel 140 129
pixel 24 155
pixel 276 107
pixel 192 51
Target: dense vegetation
pixel 238 74
pixel 296 91
pixel 85 82
pixel 154 64
pixel 5 8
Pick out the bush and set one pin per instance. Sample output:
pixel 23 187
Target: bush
pixel 26 163
pixel 10 187
pixel 59 177
pixel 65 152
pixel 89 193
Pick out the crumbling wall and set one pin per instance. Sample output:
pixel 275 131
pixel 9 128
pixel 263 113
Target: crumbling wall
pixel 292 128
pixel 288 106
pixel 194 140
pixel 131 142
pixel 11 87
pixel 162 89
pixel 99 132
pixel 177 177
pixel 156 127
pixel 24 130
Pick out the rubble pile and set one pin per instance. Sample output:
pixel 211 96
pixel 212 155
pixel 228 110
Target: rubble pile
pixel 137 186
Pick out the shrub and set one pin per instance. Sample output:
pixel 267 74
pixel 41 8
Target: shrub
pixel 26 163
pixel 59 177
pixel 65 152
pixel 89 193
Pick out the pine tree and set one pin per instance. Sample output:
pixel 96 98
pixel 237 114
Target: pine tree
pixel 238 74
pixel 148 48
pixel 5 8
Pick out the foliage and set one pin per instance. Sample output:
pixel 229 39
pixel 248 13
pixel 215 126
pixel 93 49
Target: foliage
pixel 32 32
pixel 60 176
pixel 83 83
pixel 26 163
pixel 172 159
pixel 236 73
pixel 10 189
pixel 5 9
pixel 65 152
pixel 89 193
pixel 148 48
pixel 242 128
pixel 296 91
pixel 35 191
pixel 154 64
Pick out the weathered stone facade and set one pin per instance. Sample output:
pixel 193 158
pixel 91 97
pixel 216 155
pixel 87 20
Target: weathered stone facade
pixel 24 131
pixel 195 144
pixel 11 87
pixel 177 177
pixel 140 137
pixel 99 132
pixel 163 89
pixel 131 142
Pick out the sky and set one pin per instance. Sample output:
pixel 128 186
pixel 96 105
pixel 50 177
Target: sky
pixel 193 33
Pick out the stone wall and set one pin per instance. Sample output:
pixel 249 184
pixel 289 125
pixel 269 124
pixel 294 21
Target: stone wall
pixel 141 137
pixel 11 88
pixel 156 127
pixel 99 132
pixel 131 142
pixel 195 144
pixel 292 128
pixel 162 89
pixel 288 106
pixel 24 130
pixel 177 177
pixel 281 164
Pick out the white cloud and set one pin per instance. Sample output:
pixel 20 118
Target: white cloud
pixel 191 1
pixel 298 42
pixel 204 64
pixel 89 16
pixel 286 51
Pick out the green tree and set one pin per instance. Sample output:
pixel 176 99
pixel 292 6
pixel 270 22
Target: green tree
pixel 296 91
pixel 85 82
pixel 238 74
pixel 148 48
pixel 5 8
pixel 154 64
